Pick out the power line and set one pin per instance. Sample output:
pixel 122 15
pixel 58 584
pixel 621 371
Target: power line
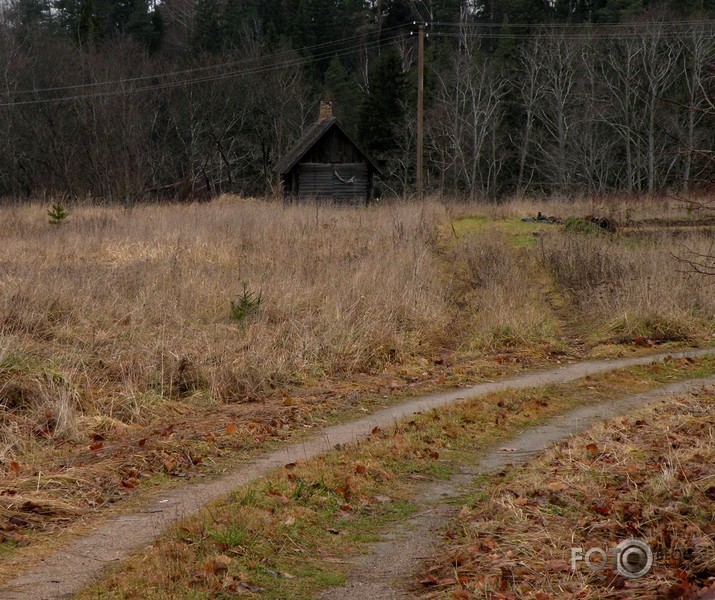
pixel 553 36
pixel 231 64
pixel 288 58
pixel 636 25
pixel 575 31
pixel 299 61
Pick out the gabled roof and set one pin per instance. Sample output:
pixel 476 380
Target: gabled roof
pixel 311 137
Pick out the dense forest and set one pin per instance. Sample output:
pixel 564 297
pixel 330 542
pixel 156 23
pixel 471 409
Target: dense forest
pixel 127 99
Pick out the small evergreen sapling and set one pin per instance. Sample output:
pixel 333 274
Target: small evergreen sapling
pixel 246 305
pixel 57 214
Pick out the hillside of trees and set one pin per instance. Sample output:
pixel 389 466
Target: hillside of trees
pixel 122 100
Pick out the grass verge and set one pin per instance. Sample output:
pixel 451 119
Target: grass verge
pixel 288 534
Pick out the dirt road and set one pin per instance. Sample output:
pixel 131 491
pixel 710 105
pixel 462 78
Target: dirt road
pixel 388 572
pixel 82 560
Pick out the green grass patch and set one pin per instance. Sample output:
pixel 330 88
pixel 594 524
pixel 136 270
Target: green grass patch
pixel 521 233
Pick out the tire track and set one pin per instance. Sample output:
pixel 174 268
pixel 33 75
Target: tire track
pixel 82 561
pixel 389 571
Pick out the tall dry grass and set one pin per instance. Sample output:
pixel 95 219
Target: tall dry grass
pixel 127 307
pixel 120 314
pixel 623 208
pixel 499 289
pixel 633 286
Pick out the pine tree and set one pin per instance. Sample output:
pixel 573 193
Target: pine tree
pixel 345 93
pixel 383 109
pixel 57 214
pixel 29 16
pixel 79 18
pixel 206 35
pixel 146 28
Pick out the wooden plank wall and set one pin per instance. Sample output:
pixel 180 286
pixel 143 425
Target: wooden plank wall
pixel 346 182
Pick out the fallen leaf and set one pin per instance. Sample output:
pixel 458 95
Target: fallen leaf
pixel 429 581
pixel 278 574
pixel 706 593
pixel 96 446
pixel 489 544
pixel 248 587
pixel 217 565
pixel 556 486
pixel 557 565
pixel 14 467
pixel 280 495
pixel 592 450
pixel 603 510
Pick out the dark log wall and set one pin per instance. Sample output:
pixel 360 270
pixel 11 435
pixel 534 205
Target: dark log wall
pixel 345 182
pixel 333 168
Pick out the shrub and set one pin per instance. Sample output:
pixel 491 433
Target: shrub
pixel 246 305
pixel 57 214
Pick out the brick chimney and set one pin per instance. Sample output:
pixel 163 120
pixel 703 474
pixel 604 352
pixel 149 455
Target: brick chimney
pixel 326 111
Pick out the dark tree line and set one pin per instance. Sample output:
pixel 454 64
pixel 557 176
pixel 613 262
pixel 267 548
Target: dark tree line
pixel 122 99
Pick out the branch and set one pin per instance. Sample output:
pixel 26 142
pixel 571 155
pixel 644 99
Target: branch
pixel 698 262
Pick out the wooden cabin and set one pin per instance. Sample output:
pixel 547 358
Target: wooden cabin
pixel 326 164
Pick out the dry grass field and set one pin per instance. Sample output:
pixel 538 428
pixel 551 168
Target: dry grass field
pixel 176 327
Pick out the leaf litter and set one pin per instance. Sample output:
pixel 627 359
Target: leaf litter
pixel 649 475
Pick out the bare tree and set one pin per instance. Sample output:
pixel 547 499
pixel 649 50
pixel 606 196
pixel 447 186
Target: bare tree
pixel 658 57
pixel 593 147
pixel 698 55
pixel 470 97
pixel 531 93
pixel 560 106
pixel 622 58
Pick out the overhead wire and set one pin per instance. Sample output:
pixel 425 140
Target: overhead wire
pixel 287 54
pixel 638 24
pixel 292 58
pixel 547 36
pixel 568 30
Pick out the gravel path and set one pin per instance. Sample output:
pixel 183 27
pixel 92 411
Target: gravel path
pixel 81 561
pixel 389 571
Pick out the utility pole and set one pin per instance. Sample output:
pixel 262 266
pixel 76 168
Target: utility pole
pixel 420 107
